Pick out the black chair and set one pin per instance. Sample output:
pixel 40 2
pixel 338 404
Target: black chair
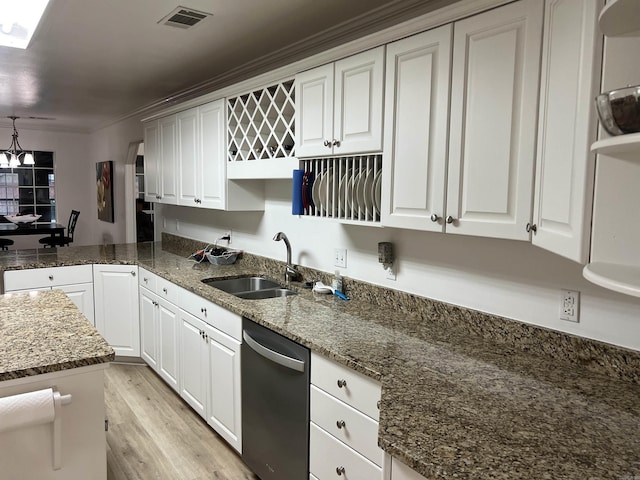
pixel 56 241
pixel 5 242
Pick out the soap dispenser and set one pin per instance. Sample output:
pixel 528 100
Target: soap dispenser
pixel 337 281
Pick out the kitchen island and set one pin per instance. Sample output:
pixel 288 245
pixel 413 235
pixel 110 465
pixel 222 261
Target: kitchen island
pixel 46 343
pixel 456 402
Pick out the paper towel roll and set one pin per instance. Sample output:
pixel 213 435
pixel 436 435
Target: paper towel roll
pixel 26 409
pixel 296 200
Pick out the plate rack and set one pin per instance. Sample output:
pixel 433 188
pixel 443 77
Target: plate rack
pixel 261 123
pixel 344 188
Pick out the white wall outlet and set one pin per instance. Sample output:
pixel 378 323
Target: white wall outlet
pixel 570 306
pixel 391 272
pixel 340 257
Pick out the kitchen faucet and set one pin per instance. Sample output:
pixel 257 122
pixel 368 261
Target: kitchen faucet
pixel 290 272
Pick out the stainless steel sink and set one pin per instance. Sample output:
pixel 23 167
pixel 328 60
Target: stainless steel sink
pixel 250 287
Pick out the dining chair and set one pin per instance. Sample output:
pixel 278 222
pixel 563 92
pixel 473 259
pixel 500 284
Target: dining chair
pixel 5 242
pixel 65 240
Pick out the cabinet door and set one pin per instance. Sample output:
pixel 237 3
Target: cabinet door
pixel 168 167
pixel 149 328
pixel 187 153
pixel 168 343
pixel 224 411
pixel 193 363
pixel 212 175
pixel 314 112
pixel 151 161
pixel 82 295
pixel 494 98
pixel 416 126
pixel 399 471
pixel 115 289
pixel 571 67
pixel 357 104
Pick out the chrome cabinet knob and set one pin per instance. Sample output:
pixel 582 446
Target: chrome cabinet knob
pixel 203 310
pixel 434 217
pixel 133 273
pixel 339 470
pixel 342 383
pixel 531 227
pixel 378 404
pixel 327 143
pixel 450 219
pixel 336 143
pixel 50 277
pixel 146 280
pixel 164 290
pixel 340 424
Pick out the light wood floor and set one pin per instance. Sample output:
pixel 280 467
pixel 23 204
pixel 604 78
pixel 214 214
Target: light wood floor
pixel 153 434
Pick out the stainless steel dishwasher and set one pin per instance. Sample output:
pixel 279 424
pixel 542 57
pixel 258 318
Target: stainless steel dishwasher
pixel 275 404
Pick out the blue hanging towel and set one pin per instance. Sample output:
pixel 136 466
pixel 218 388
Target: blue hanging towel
pixel 296 200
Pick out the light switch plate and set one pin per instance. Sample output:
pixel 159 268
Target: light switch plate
pixel 340 257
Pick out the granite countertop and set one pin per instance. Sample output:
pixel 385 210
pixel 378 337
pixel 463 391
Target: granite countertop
pixel 45 332
pixel 453 405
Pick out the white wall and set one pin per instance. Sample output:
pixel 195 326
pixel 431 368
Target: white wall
pixel 73 171
pixel 507 278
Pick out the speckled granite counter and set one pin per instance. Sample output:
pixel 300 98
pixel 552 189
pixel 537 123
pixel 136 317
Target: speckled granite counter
pixel 454 405
pixel 44 333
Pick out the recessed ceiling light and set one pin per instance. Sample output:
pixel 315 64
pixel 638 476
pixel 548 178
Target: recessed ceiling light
pixel 19 20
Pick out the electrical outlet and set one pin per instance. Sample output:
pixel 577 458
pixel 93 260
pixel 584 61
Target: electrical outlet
pixel 340 257
pixel 227 236
pixel 391 272
pixel 570 306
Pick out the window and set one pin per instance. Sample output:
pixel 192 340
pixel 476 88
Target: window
pixel 29 188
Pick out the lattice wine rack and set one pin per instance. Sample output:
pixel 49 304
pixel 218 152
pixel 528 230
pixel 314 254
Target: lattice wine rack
pixel 261 124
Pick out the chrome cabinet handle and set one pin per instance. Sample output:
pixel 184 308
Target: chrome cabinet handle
pixel 203 310
pixel 434 217
pixel 450 219
pixel 336 143
pixel 339 470
pixel 378 404
pixel 531 227
pixel 133 273
pixel 146 280
pixel 340 424
pixel 342 383
pixel 50 277
pixel 164 290
pixel 327 143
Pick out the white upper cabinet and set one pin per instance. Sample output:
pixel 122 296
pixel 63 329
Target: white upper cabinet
pixel 416 121
pixel 151 162
pixel 494 101
pixel 168 160
pixel 201 156
pixel 339 106
pixel 570 80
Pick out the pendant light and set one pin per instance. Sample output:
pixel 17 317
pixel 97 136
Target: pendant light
pixel 12 156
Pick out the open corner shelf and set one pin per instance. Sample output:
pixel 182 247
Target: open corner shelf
pixel 626 147
pixel 619 278
pixel 620 18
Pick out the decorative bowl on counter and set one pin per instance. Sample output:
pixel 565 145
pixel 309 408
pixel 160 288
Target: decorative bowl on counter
pixel 619 110
pixel 22 219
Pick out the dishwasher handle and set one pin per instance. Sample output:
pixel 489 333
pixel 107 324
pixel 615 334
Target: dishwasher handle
pixel 285 361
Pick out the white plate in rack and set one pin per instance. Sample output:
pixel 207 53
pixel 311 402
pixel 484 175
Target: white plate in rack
pixel 315 191
pixel 360 195
pixel 354 193
pixel 367 192
pixel 377 192
pixel 343 199
pixel 327 187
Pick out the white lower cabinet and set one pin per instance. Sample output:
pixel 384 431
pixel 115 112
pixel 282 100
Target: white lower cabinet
pixel 343 434
pixel 399 471
pixel 74 280
pixel 115 291
pixel 210 368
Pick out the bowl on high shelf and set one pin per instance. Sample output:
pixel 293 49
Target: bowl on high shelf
pixel 619 110
pixel 22 220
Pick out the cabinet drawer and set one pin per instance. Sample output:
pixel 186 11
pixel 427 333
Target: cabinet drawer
pixel 169 291
pixel 328 456
pixel 353 388
pixel 212 314
pixel 147 279
pixel 347 424
pixel 47 277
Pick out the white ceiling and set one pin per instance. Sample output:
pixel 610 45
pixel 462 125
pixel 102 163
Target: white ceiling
pixel 94 61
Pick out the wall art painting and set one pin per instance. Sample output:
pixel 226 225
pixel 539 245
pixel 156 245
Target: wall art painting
pixel 104 174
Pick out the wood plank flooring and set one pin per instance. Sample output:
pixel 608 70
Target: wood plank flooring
pixel 153 434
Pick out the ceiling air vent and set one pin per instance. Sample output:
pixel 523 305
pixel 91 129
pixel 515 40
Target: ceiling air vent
pixel 183 17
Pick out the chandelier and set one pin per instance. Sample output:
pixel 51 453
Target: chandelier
pixel 12 157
